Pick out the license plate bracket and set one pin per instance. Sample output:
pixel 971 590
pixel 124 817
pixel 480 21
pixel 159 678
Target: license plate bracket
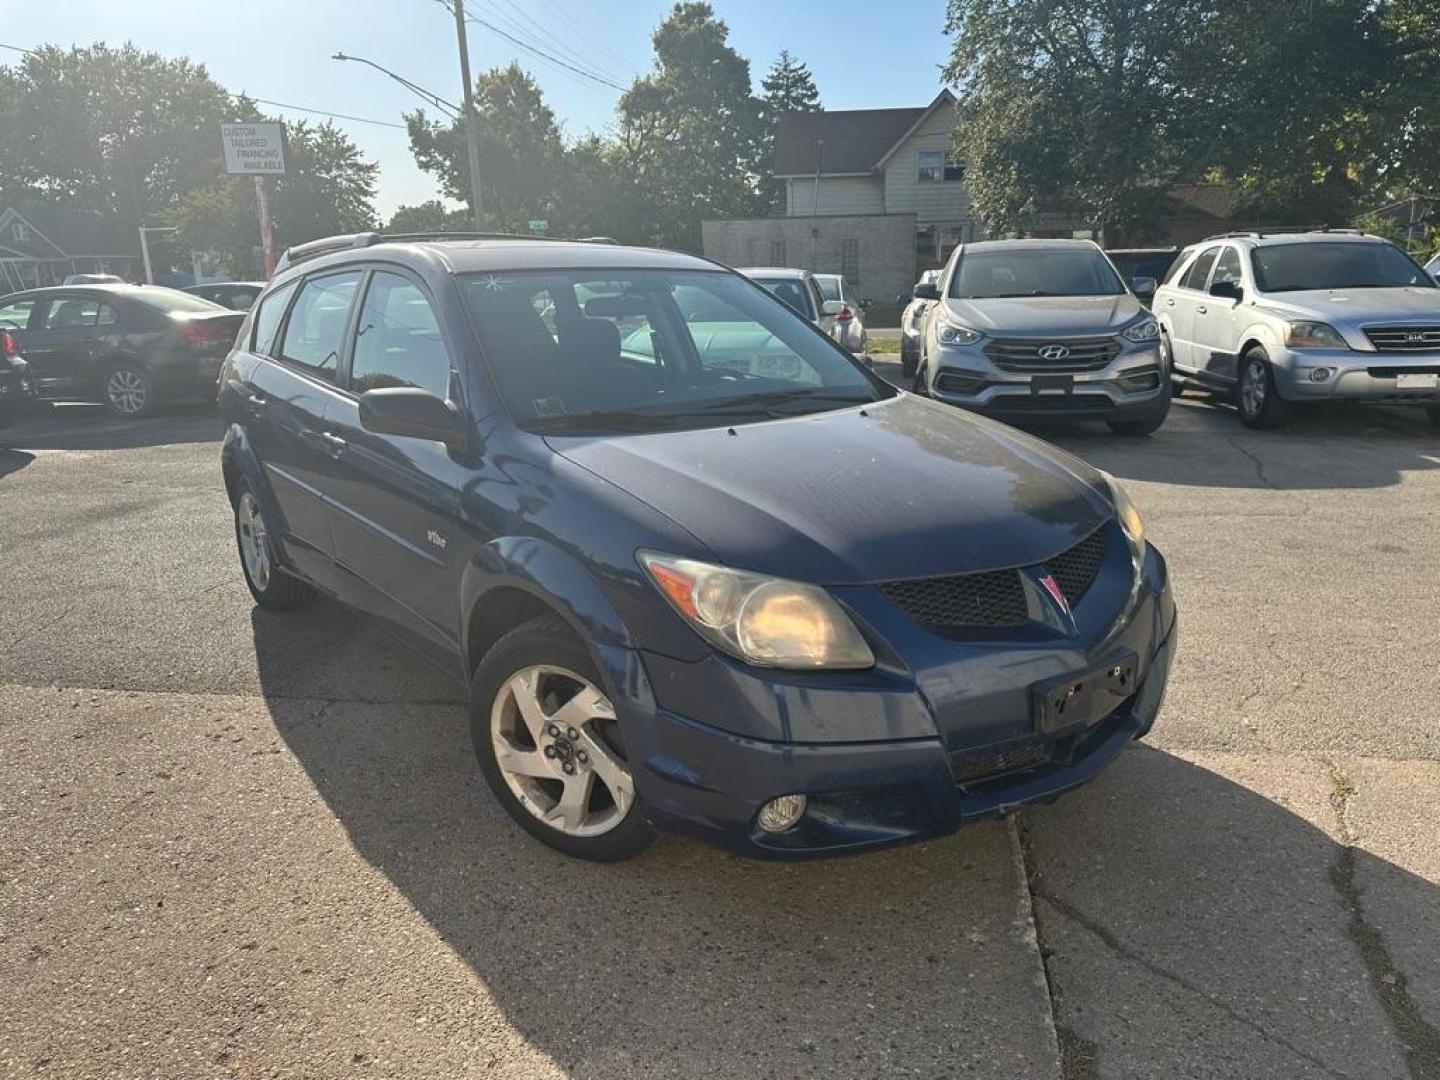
pixel 1417 380
pixel 1081 698
pixel 1052 384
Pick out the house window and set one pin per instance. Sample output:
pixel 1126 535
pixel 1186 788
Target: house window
pixel 19 232
pixel 954 170
pixel 850 261
pixel 932 166
pixel 777 252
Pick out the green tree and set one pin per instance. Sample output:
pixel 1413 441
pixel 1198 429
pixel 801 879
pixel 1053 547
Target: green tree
pixel 328 188
pixel 115 130
pixel 521 150
pixel 788 87
pixel 429 216
pixel 691 132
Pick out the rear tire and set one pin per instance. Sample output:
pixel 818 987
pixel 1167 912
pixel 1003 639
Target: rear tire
pixel 1433 412
pixel 1258 401
pixel 128 391
pixel 544 663
pixel 272 588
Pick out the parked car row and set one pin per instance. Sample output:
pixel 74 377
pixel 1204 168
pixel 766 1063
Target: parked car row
pixel 1049 328
pixel 702 570
pixel 827 300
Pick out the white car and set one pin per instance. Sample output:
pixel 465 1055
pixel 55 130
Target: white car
pixel 1280 319
pixel 800 290
pixel 1433 268
pixel 850 319
pixel 911 323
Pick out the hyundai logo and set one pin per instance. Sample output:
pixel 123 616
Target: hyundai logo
pixel 1053 352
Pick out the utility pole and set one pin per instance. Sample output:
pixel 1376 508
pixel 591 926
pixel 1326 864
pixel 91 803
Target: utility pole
pixel 472 136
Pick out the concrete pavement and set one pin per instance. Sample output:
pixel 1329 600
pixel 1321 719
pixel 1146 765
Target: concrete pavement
pixel 236 844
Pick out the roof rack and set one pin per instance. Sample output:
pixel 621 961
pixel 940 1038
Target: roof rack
pixel 328 245
pixel 1281 230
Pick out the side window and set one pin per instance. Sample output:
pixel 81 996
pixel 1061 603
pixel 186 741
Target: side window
pixel 267 319
pixel 74 312
pixel 1227 267
pixel 16 314
pixel 1200 269
pixel 316 327
pixel 398 341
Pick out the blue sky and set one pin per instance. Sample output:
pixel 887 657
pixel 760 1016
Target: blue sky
pixel 864 54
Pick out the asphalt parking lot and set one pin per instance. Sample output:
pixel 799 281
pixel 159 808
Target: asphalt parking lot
pixel 236 844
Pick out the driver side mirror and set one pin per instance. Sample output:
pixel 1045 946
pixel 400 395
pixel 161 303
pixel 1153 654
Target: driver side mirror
pixel 927 291
pixel 1226 290
pixel 417 414
pixel 832 307
pixel 1143 286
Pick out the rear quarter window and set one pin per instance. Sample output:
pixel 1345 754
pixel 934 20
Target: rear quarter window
pixel 267 319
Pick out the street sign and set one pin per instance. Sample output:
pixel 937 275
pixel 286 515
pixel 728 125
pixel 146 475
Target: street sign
pixel 539 225
pixel 254 149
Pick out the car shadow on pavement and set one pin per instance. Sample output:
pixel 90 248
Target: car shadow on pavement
pixel 93 427
pixel 1188 922
pixel 12 461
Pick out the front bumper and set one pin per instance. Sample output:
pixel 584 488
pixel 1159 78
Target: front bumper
pixel 1350 375
pixel 698 779
pixel 1129 387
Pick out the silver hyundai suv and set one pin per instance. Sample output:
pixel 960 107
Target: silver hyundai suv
pixel 1030 329
pixel 1278 319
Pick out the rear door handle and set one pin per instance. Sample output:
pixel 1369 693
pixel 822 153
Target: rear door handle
pixel 334 444
pixel 1169 301
pixel 256 401
pixel 1201 309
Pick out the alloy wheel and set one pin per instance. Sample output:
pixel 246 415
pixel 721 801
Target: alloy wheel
pixel 555 741
pixel 125 390
pixel 254 540
pixel 1252 387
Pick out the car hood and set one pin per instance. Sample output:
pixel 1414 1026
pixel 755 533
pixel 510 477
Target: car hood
pixel 1353 307
pixel 906 488
pixel 1031 316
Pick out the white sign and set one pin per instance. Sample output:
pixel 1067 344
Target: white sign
pixel 254 149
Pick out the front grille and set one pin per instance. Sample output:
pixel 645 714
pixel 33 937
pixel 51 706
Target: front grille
pixel 960 601
pixel 1022 355
pixel 995 765
pixel 1074 570
pixel 1404 339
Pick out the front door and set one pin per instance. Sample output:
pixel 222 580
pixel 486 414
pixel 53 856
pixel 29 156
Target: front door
pixel 289 392
pixel 1215 334
pixel 396 499
pixel 1178 310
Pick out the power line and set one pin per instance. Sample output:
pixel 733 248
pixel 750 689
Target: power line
pixel 545 36
pixel 472 17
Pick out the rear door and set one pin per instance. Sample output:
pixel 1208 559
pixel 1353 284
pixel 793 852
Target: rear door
pixel 1216 333
pixel 1179 307
pixel 396 499
pixel 288 393
pixel 64 342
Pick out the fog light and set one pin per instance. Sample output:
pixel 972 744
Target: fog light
pixel 780 814
pixel 1319 374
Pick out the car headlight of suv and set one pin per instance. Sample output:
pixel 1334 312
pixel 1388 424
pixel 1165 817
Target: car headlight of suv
pixel 1313 335
pixel 766 621
pixel 1144 330
pixel 1131 524
pixel 955 334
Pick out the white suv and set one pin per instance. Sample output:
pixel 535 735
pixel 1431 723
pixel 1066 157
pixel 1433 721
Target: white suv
pixel 1283 318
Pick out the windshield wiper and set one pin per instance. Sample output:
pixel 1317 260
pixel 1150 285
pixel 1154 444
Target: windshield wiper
pixel 622 420
pixel 765 400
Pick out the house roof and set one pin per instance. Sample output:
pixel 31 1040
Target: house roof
pixel 64 231
pixel 855 141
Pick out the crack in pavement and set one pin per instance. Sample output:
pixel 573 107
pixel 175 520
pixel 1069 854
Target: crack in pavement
pixel 1419 1038
pixel 1084 1056
pixel 1256 462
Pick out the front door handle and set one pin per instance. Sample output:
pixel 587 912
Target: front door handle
pixel 1201 309
pixel 1169 301
pixel 334 444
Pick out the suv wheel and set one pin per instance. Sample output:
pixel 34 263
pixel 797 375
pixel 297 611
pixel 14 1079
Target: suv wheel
pixel 271 587
pixel 1167 366
pixel 550 747
pixel 1259 403
pixel 908 358
pixel 128 392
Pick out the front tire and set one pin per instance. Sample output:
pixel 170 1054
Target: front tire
pixel 271 587
pixel 550 747
pixel 909 358
pixel 128 391
pixel 1167 366
pixel 1257 399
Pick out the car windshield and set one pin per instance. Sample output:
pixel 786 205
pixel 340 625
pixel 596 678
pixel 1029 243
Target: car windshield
pixel 599 352
pixel 791 290
pixel 1033 272
pixel 163 299
pixel 829 286
pixel 1335 265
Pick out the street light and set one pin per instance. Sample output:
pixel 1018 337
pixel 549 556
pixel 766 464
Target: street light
pixel 466 115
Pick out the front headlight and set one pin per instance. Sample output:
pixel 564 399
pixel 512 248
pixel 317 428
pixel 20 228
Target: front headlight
pixel 1127 514
pixel 762 620
pixel 1313 335
pixel 954 334
pixel 1144 330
